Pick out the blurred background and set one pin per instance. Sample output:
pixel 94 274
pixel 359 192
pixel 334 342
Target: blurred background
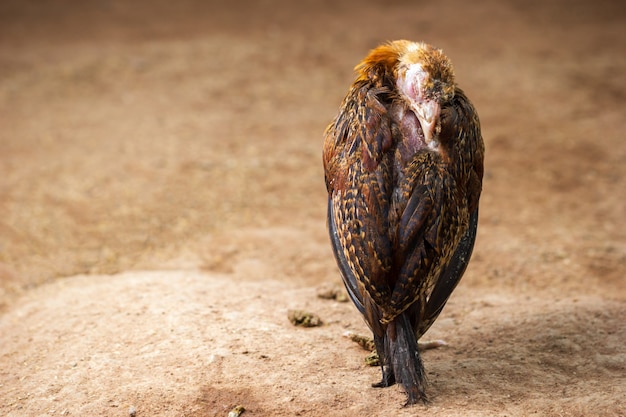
pixel 152 135
pixel 135 134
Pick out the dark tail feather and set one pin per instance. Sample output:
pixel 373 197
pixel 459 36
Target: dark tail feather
pixel 402 356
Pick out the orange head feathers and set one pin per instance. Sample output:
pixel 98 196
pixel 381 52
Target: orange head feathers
pixel 419 73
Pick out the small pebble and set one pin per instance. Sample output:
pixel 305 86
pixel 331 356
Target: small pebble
pixel 132 412
pixel 431 344
pixel 237 411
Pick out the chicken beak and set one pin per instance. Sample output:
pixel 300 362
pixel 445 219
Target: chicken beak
pixel 428 113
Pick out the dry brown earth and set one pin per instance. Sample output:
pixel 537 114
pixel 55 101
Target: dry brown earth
pixel 162 206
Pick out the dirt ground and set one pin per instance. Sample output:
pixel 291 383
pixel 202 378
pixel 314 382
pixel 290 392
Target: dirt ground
pixel 162 207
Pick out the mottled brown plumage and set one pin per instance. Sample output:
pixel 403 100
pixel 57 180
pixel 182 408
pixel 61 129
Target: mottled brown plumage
pixel 403 165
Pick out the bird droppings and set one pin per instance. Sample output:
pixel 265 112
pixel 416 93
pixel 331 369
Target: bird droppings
pixel 237 411
pixel 332 292
pixel 372 359
pixel 303 318
pixel 365 342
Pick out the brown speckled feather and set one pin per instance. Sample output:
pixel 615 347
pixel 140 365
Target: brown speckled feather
pixel 403 168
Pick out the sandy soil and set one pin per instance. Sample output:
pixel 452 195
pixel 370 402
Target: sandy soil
pixel 162 207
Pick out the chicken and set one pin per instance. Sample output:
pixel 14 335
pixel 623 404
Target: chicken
pixel 403 164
